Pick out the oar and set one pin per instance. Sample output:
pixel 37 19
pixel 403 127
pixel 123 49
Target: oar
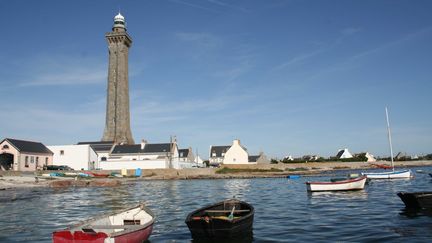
pixel 231 216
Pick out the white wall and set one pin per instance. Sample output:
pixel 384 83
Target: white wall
pixel 236 154
pixel 135 164
pixel 75 156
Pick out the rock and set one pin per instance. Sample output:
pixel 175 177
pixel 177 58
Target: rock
pixel 60 183
pixel 105 183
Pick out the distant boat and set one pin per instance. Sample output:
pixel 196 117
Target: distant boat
pixel 339 185
pixel 393 174
pixel 293 176
pixel 223 220
pixel 416 200
pixel 132 225
pixel 389 175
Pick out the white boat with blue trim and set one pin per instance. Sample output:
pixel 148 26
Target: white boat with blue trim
pixel 389 175
pixel 392 174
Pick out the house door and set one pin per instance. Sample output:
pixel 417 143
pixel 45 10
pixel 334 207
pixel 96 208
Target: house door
pixel 6 161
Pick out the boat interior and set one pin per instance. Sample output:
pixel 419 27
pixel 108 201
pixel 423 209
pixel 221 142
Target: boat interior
pixel 128 220
pixel 227 210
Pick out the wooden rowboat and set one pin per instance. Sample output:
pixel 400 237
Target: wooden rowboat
pixel 416 200
pixel 227 219
pixel 132 226
pixel 343 185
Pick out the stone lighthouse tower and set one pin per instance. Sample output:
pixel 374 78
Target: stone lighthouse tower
pixel 117 123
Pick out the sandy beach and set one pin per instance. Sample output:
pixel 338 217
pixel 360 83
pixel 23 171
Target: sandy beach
pixel 14 180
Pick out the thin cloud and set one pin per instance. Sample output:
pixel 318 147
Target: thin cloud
pixel 223 4
pixel 203 39
pixel 69 77
pixel 194 5
pixel 302 58
pixel 404 39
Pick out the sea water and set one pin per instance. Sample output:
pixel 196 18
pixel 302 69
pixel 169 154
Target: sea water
pixel 284 210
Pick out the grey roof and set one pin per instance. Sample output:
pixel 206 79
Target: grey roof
pixel 253 158
pixel 339 154
pixel 99 146
pixel 183 153
pixel 218 150
pixel 136 148
pixel 29 146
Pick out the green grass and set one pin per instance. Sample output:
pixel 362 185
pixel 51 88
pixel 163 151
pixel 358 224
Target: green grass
pixel 296 169
pixel 226 170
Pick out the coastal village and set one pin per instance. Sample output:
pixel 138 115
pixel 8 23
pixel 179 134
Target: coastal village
pixel 127 187
pixel 117 150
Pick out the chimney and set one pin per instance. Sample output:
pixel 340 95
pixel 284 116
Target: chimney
pixel 143 143
pixel 236 142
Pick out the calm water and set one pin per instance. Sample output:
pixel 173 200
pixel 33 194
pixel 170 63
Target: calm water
pixel 285 212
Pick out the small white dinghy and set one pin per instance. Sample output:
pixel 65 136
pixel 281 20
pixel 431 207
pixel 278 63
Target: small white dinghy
pixel 133 225
pixel 345 185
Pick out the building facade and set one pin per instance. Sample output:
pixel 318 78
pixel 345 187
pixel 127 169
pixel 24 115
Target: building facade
pixel 21 155
pixel 236 154
pixel 78 157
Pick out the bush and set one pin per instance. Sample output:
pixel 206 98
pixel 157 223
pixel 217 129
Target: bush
pixel 227 170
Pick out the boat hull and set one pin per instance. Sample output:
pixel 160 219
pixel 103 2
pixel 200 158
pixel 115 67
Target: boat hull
pixel 204 224
pixel 389 175
pixel 416 200
pixel 95 232
pixel 345 185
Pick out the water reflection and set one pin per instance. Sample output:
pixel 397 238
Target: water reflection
pixel 338 195
pixel 237 188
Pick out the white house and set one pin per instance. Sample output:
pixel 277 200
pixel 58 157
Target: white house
pixel 217 154
pixel 236 154
pixel 370 157
pixel 78 157
pixel 344 154
pixel 143 156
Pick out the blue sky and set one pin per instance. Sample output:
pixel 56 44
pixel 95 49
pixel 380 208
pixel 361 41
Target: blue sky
pixel 286 77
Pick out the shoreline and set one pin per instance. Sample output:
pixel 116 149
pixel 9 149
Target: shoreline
pixel 17 180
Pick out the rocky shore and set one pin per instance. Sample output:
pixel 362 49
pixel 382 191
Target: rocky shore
pixel 14 180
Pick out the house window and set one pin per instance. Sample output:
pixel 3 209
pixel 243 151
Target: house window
pixel 37 162
pixel 103 159
pixel 61 152
pixel 223 154
pixel 46 161
pixel 5 146
pixel 26 162
pixel 32 159
pixel 213 154
pixel 234 160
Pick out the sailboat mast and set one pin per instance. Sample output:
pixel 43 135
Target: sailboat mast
pixel 389 138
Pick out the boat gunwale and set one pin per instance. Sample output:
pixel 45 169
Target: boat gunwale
pixel 242 218
pixel 386 172
pixel 80 226
pixel 336 182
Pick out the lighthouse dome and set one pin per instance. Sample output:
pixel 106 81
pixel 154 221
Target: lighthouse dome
pixel 119 21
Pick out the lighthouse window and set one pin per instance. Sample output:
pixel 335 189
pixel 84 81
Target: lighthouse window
pixel 118 22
